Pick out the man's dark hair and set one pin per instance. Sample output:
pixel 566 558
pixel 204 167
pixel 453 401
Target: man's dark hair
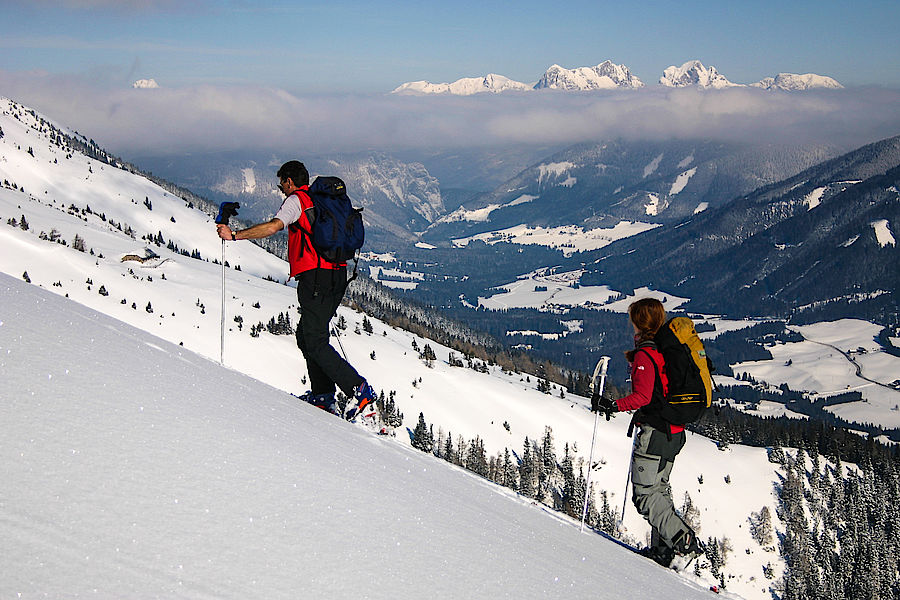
pixel 295 171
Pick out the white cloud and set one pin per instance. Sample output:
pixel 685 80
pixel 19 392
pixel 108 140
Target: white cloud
pixel 205 118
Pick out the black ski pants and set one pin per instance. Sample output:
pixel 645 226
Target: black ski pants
pixel 319 292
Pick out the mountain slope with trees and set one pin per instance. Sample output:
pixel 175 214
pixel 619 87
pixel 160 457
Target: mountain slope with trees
pixel 806 245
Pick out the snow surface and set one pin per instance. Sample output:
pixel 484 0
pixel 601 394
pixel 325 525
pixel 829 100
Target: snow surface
pixel 837 357
pixel 814 198
pixel 553 170
pixel 481 215
pixel 249 177
pixel 375 272
pixel 605 76
pixel 134 468
pixel 610 76
pixel 694 73
pixel 794 82
pixel 652 208
pixel 686 161
pixel 568 238
pixel 561 290
pixel 145 84
pixel 883 233
pixel 681 181
pixel 652 166
pixel 548 290
pixel 466 86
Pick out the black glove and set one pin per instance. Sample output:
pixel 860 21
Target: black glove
pixel 604 405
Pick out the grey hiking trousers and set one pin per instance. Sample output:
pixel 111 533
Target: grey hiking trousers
pixel 651 464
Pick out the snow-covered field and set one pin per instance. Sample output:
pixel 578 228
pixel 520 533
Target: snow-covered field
pixel 569 239
pixel 395 278
pixel 547 289
pixel 834 358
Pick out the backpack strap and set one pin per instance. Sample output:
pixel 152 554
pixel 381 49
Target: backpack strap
pixel 645 347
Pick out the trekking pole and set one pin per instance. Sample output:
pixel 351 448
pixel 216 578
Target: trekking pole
pixel 336 333
pixel 596 392
pixel 628 478
pixel 226 211
pixel 222 344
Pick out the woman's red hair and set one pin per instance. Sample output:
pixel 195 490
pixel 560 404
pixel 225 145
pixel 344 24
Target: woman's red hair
pixel 648 315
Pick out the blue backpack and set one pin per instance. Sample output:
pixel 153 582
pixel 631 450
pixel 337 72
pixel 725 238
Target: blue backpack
pixel 337 227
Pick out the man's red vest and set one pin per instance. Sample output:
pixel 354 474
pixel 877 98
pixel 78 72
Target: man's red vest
pixel 301 254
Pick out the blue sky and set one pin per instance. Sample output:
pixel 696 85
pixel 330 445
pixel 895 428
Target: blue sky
pixel 371 47
pixel 244 74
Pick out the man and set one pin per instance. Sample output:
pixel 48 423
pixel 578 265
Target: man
pixel 320 287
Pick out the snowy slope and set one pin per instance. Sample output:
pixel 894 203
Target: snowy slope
pixel 135 468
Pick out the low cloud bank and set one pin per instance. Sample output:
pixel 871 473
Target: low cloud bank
pixel 166 121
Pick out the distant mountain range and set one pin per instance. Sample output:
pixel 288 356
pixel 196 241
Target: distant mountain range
pixel 600 184
pixel 610 76
pixel 818 245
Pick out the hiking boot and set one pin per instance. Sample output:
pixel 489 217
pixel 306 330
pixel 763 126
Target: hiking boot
pixel 363 396
pixel 662 555
pixel 687 544
pixel 324 401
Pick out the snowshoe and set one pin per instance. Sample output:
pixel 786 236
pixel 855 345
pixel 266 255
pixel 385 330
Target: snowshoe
pixel 662 555
pixel 688 547
pixel 363 397
pixel 324 401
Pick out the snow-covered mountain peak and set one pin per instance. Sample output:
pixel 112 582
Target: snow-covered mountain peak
pixel 466 86
pixel 608 75
pixel 145 84
pixel 795 82
pixel 604 76
pixel 694 73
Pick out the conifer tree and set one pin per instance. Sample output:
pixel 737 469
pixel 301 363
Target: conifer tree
pixel 448 453
pixel 510 472
pixel 422 437
pixel 761 528
pixel 547 463
pixel 527 471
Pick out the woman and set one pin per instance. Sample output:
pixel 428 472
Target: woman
pixel 658 442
